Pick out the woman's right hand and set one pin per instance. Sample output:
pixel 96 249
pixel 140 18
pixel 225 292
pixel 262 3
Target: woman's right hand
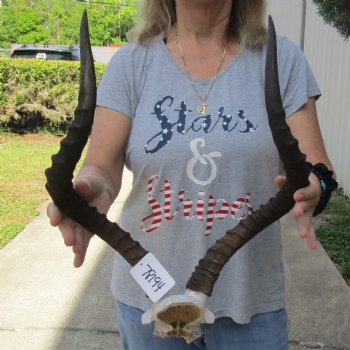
pixel 95 190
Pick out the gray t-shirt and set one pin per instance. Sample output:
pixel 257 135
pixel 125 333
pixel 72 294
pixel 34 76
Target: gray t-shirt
pixel 196 176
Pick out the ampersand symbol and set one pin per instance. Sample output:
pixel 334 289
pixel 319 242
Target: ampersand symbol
pixel 203 159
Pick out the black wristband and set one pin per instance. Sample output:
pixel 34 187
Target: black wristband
pixel 327 183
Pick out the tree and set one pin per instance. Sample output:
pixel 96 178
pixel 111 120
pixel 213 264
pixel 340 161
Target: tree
pixel 127 18
pixel 23 21
pixel 110 23
pixel 58 21
pixel 337 14
pixel 103 21
pixel 31 27
pixel 64 21
pixel 8 32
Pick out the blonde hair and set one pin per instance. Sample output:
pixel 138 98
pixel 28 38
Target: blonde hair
pixel 246 24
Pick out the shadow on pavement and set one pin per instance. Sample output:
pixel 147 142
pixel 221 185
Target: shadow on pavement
pixel 92 322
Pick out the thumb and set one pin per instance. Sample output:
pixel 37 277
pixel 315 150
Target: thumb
pixel 83 187
pixel 90 186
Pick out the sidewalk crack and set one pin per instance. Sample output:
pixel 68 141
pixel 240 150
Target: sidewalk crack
pixel 315 345
pixel 62 329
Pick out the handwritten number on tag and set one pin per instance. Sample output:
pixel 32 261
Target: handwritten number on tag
pixel 150 275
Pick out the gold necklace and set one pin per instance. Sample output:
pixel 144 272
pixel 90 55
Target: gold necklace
pixel 202 106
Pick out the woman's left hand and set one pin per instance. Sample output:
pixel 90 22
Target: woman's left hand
pixel 306 200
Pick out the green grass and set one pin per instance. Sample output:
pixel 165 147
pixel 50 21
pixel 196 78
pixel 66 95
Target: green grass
pixel 23 160
pixel 334 232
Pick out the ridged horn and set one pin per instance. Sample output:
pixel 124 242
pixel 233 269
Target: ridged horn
pixel 60 175
pixel 207 271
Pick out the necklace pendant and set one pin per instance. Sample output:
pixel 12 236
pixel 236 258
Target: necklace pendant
pixel 202 108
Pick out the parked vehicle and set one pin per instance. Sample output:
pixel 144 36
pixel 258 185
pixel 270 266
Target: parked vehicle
pixel 47 52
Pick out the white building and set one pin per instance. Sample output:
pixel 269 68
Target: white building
pixel 329 56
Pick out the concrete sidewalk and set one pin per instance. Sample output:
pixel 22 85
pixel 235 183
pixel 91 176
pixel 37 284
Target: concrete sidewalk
pixel 46 304
pixel 318 299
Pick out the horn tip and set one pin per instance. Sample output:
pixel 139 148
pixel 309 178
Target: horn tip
pixel 84 19
pixel 271 24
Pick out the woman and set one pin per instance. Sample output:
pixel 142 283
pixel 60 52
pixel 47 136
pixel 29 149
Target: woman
pixel 183 108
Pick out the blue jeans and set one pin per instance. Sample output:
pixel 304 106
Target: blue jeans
pixel 267 331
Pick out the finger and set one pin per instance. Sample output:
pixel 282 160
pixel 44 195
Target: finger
pixel 81 245
pixel 303 226
pixel 280 181
pixel 89 186
pixel 78 246
pixel 312 191
pixel 298 210
pixel 311 238
pixel 78 260
pixel 67 228
pixel 83 188
pixel 303 218
pixel 303 194
pixel 306 230
pixel 308 233
pixel 54 214
pixel 306 206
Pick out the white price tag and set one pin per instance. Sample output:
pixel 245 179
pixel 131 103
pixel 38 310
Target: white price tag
pixel 152 277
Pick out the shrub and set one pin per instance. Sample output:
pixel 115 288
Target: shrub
pixel 36 94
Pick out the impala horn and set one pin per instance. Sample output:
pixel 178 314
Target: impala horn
pixel 178 315
pixel 60 175
pixel 185 312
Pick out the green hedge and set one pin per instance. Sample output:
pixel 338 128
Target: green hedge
pixel 37 95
